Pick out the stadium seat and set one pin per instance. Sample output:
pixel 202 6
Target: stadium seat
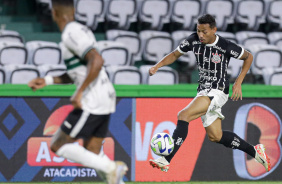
pixel 10 36
pixel 272 76
pixel 155 13
pixel 248 38
pixel 155 44
pixel 42 52
pixel 265 56
pixel 130 39
pixel 275 38
pixel 114 53
pixel 234 67
pixel 2 75
pixel 223 10
pixel 178 37
pixel 185 13
pixel 251 13
pixel 129 75
pixel 122 13
pixel 12 53
pixel 227 35
pixel 274 15
pixel 165 75
pixel 20 74
pixel 53 70
pixel 90 12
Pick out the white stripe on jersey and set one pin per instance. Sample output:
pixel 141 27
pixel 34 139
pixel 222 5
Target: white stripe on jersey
pixel 80 123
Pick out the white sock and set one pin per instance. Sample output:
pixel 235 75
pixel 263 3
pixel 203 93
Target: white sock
pixel 87 158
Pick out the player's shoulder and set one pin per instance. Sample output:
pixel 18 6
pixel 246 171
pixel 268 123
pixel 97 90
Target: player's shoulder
pixel 74 28
pixel 194 36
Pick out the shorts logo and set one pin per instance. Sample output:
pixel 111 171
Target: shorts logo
pixel 216 57
pixel 67 124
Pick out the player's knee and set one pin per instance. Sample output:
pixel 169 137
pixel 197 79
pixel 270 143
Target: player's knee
pixel 183 116
pixel 54 146
pixel 214 138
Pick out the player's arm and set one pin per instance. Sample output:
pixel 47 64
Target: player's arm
pixel 38 83
pixel 167 60
pixel 94 65
pixel 237 90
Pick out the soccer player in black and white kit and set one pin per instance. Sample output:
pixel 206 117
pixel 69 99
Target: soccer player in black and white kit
pixel 212 54
pixel 93 101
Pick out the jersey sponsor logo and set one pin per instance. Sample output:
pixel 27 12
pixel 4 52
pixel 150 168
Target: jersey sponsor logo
pixel 184 43
pixel 216 57
pixel 206 59
pixel 197 53
pixel 196 42
pixel 219 48
pixel 234 53
pixel 179 141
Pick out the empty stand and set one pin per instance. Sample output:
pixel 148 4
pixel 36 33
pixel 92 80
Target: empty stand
pixel 42 52
pixel 130 39
pixel 165 75
pixel 223 10
pixel 248 38
pixel 155 13
pixel 12 53
pixel 129 75
pixel 10 36
pixel 53 70
pixel 90 12
pixel 227 35
pixel 122 13
pixel 114 53
pixel 274 15
pixel 20 74
pixel 185 13
pixel 251 13
pixel 272 76
pixel 155 44
pixel 275 38
pixel 265 56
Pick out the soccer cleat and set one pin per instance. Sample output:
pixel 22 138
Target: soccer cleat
pixel 160 163
pixel 262 157
pixel 116 176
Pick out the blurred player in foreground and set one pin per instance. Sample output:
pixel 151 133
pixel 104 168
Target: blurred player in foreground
pixel 94 99
pixel 213 53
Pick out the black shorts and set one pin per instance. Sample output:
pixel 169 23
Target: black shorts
pixel 81 124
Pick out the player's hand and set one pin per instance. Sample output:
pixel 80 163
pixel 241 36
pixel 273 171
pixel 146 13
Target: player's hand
pixel 236 92
pixel 76 100
pixel 153 70
pixel 37 83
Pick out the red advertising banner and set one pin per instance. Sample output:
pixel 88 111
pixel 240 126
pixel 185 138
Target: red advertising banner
pixel 155 115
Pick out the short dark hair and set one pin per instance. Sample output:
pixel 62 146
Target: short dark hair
pixel 62 2
pixel 207 19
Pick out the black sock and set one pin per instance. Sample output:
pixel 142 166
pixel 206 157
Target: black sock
pixel 231 140
pixel 179 135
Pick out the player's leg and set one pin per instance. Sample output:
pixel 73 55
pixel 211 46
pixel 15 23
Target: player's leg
pixel 194 110
pixel 94 145
pixel 232 140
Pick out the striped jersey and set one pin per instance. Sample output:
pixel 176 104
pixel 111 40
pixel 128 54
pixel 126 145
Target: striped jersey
pixel 99 97
pixel 212 60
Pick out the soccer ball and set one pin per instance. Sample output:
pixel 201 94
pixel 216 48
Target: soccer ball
pixel 162 144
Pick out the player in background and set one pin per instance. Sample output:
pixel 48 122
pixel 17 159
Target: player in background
pixel 94 99
pixel 212 53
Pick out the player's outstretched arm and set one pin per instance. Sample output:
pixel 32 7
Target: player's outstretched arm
pixel 39 83
pixel 237 89
pixel 94 65
pixel 167 60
